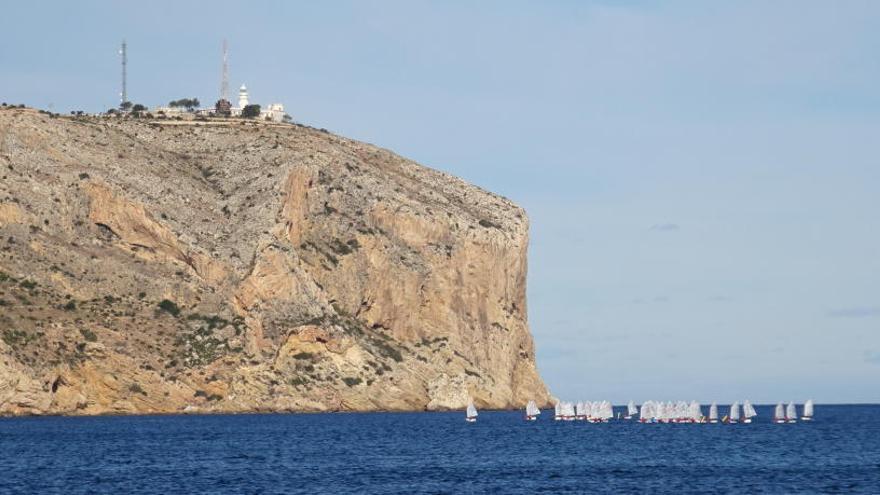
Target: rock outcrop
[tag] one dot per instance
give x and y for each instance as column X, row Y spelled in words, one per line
column 167, row 266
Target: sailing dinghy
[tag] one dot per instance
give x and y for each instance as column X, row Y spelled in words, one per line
column 748, row 412
column 631, row 410
column 808, row 411
column 734, row 413
column 532, row 411
column 791, row 413
column 713, row 413
column 779, row 414
column 557, row 412
column 471, row 415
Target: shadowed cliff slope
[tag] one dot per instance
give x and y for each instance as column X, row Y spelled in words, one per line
column 179, row 266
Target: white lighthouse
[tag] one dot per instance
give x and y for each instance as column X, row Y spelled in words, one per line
column 242, row 97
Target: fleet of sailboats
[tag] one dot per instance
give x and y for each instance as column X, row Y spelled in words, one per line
column 658, row 412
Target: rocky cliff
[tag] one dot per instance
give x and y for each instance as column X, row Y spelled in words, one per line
column 166, row 266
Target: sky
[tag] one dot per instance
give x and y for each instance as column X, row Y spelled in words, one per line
column 701, row 178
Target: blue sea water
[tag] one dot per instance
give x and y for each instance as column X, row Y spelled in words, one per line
column 416, row 453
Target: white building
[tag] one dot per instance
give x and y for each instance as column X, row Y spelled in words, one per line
column 273, row 112
column 242, row 97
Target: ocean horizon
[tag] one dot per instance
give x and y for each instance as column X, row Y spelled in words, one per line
column 436, row 452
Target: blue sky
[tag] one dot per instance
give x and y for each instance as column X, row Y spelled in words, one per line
column 702, row 177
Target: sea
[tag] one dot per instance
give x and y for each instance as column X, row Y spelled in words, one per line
column 434, row 453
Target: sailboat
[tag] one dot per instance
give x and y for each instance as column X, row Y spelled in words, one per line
column 532, row 411
column 631, row 410
column 779, row 413
column 660, row 412
column 808, row 411
column 734, row 413
column 695, row 412
column 648, row 413
column 557, row 411
column 568, row 411
column 791, row 413
column 748, row 412
column 580, row 411
column 471, row 415
column 713, row 413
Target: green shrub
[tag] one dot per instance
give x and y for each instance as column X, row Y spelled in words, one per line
column 88, row 335
column 303, row 355
column 169, row 307
column 351, row 381
column 135, row 388
column 250, row 111
column 14, row 337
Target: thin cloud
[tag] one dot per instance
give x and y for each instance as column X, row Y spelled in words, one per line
column 855, row 313
column 872, row 357
column 665, row 227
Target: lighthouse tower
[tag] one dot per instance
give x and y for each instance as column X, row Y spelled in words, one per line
column 242, row 97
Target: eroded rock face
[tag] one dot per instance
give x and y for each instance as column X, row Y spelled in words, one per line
column 166, row 266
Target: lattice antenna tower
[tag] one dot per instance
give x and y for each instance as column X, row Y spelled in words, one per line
column 123, row 96
column 224, row 78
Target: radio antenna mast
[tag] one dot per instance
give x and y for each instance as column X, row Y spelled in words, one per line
column 123, row 97
column 224, row 80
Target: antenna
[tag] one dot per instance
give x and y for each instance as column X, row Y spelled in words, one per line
column 124, row 95
column 224, row 80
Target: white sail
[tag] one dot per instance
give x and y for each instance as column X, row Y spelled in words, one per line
column 713, row 412
column 557, row 409
column 648, row 411
column 631, row 409
column 579, row 409
column 695, row 411
column 532, row 409
column 749, row 410
column 607, row 410
column 779, row 412
column 471, row 410
column 660, row 411
column 791, row 412
column 682, row 410
column 734, row 411
column 808, row 409
column 588, row 410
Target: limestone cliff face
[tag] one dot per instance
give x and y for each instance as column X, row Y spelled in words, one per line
column 164, row 266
